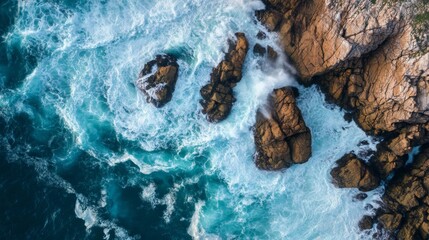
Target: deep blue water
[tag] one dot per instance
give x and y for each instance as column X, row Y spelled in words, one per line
column 83, row 156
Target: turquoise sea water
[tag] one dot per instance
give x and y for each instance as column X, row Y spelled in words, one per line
column 83, row 156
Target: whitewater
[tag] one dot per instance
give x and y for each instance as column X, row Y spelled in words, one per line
column 128, row 170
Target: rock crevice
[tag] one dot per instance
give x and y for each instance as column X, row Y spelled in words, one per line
column 281, row 135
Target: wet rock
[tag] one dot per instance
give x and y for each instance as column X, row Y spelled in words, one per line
column 385, row 162
column 259, row 50
column 370, row 58
column 366, row 223
column 281, row 136
column 272, row 54
column 360, row 196
column 390, row 221
column 270, row 18
column 367, row 57
column 406, row 201
column 157, row 79
column 351, row 172
column 218, row 95
column 261, row 35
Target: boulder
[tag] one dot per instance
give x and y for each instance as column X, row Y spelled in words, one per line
column 366, row 223
column 259, row 50
column 218, row 95
column 282, row 138
column 157, row 79
column 352, row 172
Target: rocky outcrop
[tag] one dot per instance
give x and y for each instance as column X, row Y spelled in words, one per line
column 157, row 79
column 281, row 136
column 405, row 213
column 218, row 94
column 365, row 54
column 352, row 172
column 371, row 58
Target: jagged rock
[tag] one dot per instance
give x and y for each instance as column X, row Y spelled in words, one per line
column 270, row 18
column 282, row 138
column 366, row 222
column 272, row 54
column 258, row 49
column 157, row 79
column 360, row 196
column 261, row 35
column 367, row 58
column 351, row 172
column 385, row 162
column 371, row 58
column 217, row 94
column 390, row 221
column 406, row 201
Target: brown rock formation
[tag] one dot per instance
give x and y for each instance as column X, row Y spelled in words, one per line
column 351, row 172
column 157, row 79
column 371, row 58
column 406, row 200
column 365, row 55
column 281, row 139
column 366, row 222
column 217, row 94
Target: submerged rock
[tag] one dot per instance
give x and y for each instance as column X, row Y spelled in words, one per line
column 217, row 94
column 282, row 138
column 351, row 172
column 157, row 79
column 360, row 196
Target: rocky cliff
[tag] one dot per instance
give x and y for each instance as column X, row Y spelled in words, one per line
column 367, row 56
column 371, row 57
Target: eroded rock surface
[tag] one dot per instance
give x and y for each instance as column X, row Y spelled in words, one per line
column 406, row 201
column 157, row 79
column 218, row 95
column 352, row 172
column 281, row 136
column 371, row 57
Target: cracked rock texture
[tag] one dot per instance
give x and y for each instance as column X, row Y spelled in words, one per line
column 352, row 172
column 406, row 201
column 157, row 79
column 281, row 136
column 371, row 58
column 365, row 55
column 218, row 94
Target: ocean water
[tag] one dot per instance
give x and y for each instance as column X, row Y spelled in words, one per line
column 83, row 156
